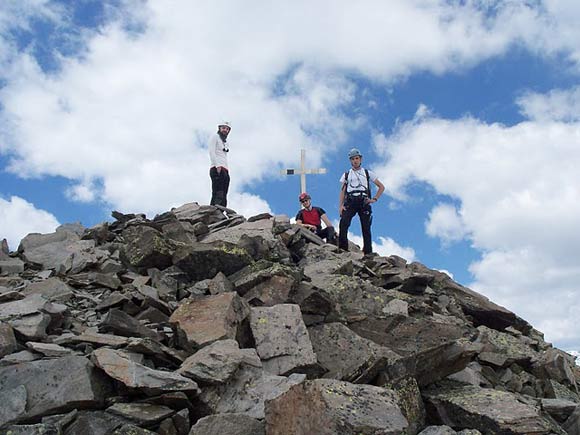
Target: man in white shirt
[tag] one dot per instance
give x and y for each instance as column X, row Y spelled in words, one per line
column 355, row 198
column 218, row 171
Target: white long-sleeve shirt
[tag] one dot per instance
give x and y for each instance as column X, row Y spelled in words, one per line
column 217, row 155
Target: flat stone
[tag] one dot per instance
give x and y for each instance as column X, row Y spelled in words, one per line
column 56, row 385
column 329, row 407
column 19, row 357
column 281, row 338
column 11, row 266
column 208, row 319
column 131, row 429
column 32, row 327
column 53, row 289
column 120, row 367
column 141, row 413
column 31, row 429
column 29, row 305
column 228, row 424
column 94, row 423
column 438, row 430
column 8, row 343
column 49, row 349
column 93, row 338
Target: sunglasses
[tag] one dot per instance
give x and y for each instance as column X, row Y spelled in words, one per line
column 304, row 200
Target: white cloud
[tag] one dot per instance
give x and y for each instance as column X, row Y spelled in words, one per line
column 386, row 247
column 134, row 110
column 557, row 105
column 445, row 222
column 18, row 218
column 518, row 189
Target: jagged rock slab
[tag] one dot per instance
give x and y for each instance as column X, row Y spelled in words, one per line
column 56, row 385
column 409, row 336
column 121, row 323
column 487, row 410
column 203, row 261
column 145, row 247
column 247, row 391
column 215, row 363
column 318, row 261
column 328, row 407
column 120, row 367
column 228, row 424
column 255, row 237
column 515, row 349
column 558, row 408
column 281, row 338
column 205, row 320
column 346, row 356
column 481, row 308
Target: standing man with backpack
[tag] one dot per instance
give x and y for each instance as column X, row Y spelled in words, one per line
column 355, row 198
column 311, row 218
column 218, row 171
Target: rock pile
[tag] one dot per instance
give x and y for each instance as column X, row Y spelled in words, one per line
column 202, row 322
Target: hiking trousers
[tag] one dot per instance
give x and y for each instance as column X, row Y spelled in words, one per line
column 220, row 184
column 365, row 214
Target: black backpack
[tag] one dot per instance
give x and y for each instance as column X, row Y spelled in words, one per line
column 368, row 192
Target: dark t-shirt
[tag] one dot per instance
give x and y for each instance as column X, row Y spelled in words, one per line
column 311, row 217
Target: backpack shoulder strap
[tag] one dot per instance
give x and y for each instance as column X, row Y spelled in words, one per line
column 368, row 182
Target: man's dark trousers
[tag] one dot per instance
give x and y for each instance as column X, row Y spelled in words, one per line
column 365, row 215
column 220, row 183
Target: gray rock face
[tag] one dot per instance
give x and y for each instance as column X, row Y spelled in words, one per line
column 215, row 363
column 487, row 410
column 199, row 318
column 328, row 407
column 202, row 261
column 52, row 289
column 56, row 385
column 346, row 356
column 247, row 392
column 120, row 367
column 209, row 319
column 145, row 248
column 13, row 404
column 8, row 342
column 281, row 338
column 120, row 323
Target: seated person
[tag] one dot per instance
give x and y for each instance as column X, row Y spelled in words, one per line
column 312, row 217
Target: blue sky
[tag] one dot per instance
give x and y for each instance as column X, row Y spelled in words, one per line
column 467, row 110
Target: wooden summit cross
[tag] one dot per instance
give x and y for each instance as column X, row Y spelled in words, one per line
column 303, row 171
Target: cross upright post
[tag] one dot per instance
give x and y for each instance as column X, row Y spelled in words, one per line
column 303, row 171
